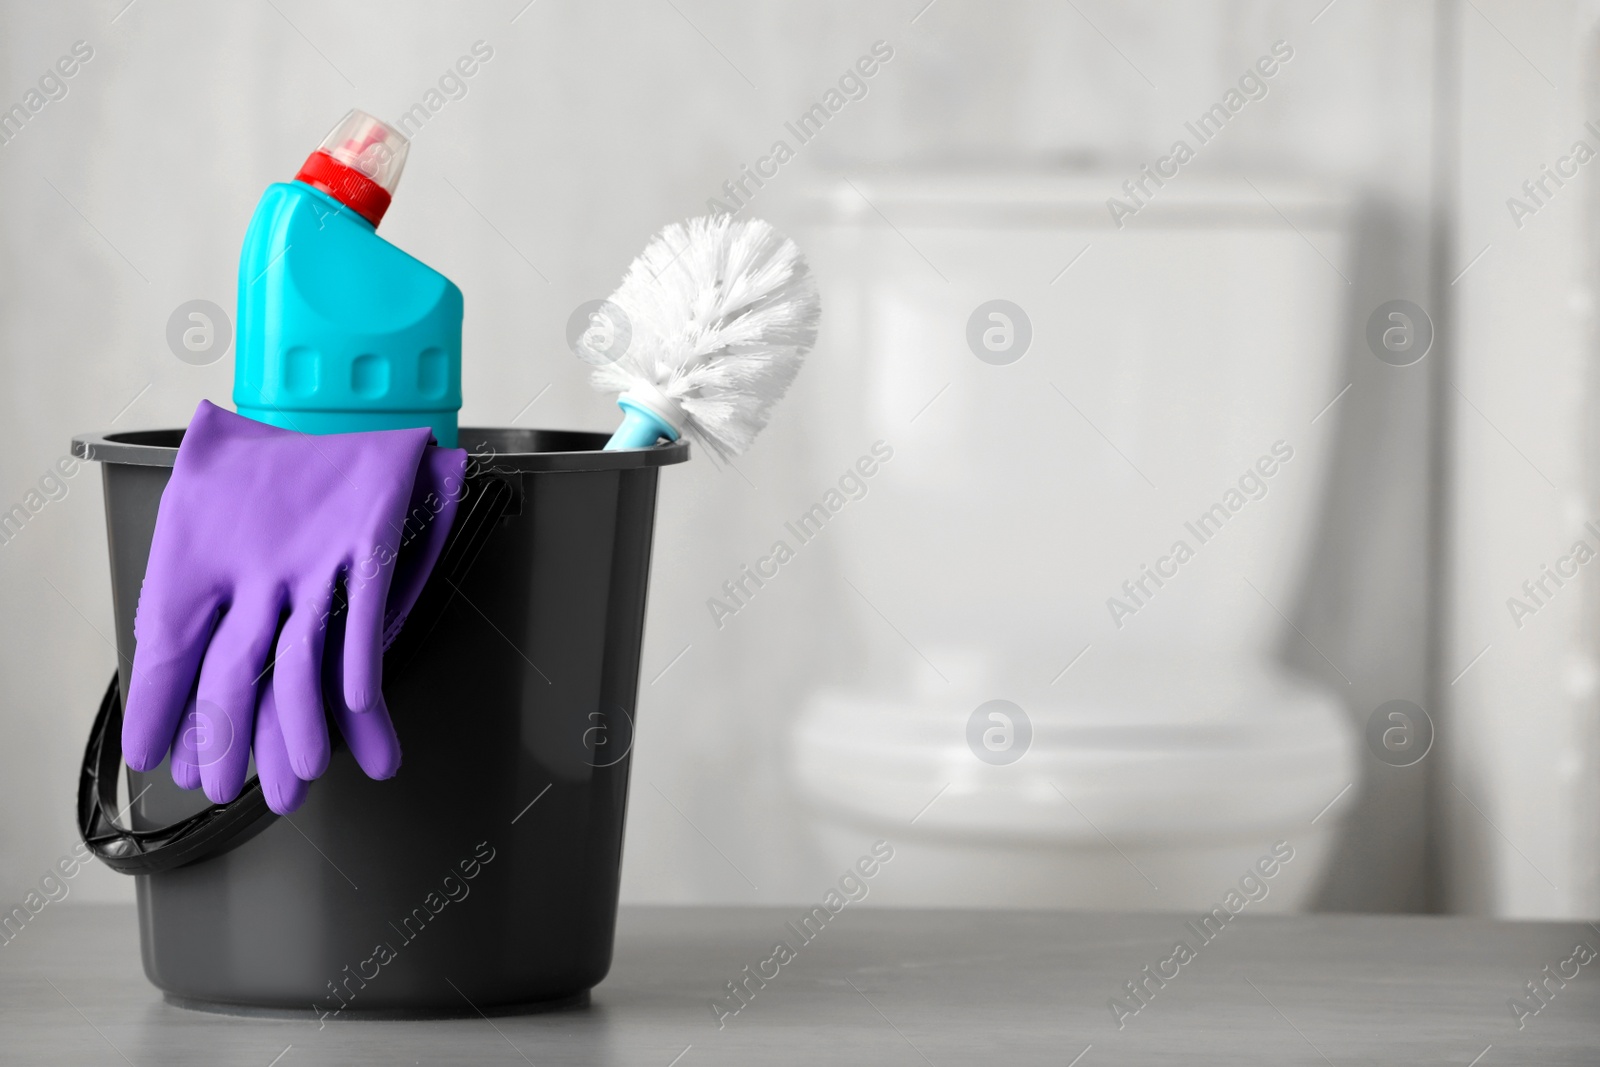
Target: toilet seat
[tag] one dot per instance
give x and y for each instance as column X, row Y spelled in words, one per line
column 1139, row 751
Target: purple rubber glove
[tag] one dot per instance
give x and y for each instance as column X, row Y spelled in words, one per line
column 369, row 734
column 257, row 526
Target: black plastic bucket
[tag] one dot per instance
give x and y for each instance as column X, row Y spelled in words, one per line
column 484, row 876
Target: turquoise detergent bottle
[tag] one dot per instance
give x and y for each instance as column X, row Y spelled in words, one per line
column 339, row 330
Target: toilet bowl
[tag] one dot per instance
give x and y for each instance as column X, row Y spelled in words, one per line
column 1022, row 543
column 1156, row 789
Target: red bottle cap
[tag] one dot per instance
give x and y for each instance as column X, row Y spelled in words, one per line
column 358, row 164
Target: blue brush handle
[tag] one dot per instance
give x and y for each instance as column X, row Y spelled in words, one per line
column 640, row 428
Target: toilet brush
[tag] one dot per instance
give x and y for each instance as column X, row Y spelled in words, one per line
column 718, row 314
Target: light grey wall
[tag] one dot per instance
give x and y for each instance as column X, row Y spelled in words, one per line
column 1519, row 793
column 592, row 125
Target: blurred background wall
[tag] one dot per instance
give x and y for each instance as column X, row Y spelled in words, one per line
column 536, row 180
column 1516, row 796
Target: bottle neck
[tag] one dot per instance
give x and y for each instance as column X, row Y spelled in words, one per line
column 336, row 206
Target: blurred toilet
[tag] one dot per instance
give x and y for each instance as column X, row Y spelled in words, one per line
column 1164, row 748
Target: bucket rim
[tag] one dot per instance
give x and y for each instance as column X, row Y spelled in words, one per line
column 503, row 448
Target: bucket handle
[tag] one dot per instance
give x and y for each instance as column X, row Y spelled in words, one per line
column 222, row 827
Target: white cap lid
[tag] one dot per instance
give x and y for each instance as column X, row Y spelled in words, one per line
column 369, row 145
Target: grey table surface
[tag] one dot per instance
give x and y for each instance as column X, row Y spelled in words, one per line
column 887, row 987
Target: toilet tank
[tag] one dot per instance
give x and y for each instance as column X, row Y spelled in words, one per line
column 1175, row 390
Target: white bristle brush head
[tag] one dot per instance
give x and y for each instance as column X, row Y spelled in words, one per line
column 722, row 312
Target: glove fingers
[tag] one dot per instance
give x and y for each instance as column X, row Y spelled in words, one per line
column 230, row 680
column 297, row 686
column 371, row 738
column 185, row 757
column 367, row 592
column 281, row 784
column 171, row 641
